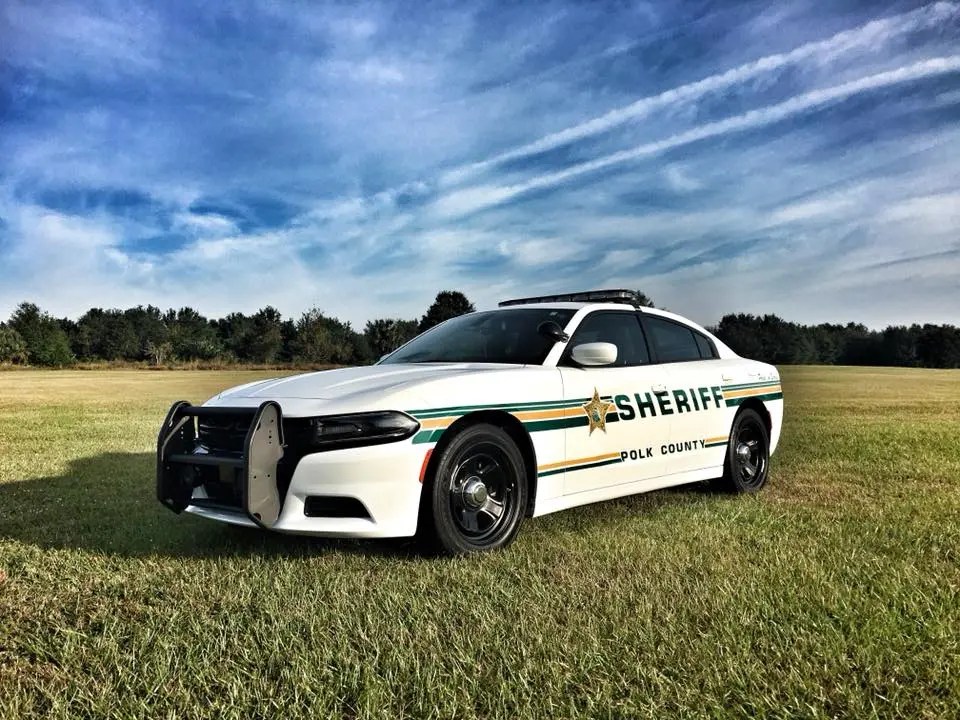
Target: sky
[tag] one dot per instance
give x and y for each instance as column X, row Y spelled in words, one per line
column 794, row 157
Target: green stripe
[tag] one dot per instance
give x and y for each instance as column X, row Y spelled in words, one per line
column 716, row 444
column 427, row 436
column 747, row 386
column 551, row 472
column 733, row 402
column 464, row 409
column 561, row 423
column 557, row 424
column 580, row 467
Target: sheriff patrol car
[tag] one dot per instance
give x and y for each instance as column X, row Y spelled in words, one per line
column 543, row 404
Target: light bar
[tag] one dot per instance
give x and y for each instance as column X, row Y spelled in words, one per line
column 628, row 297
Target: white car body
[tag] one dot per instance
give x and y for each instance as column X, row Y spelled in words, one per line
column 656, row 425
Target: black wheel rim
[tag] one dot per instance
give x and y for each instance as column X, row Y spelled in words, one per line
column 750, row 455
column 483, row 491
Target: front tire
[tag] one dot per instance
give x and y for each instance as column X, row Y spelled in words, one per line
column 476, row 499
column 748, row 454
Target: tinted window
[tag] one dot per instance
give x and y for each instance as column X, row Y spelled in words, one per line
column 674, row 342
column 498, row 336
column 706, row 347
column 621, row 329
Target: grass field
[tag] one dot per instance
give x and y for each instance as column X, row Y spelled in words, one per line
column 835, row 592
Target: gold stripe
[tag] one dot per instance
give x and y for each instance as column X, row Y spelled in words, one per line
column 442, row 422
column 547, row 414
column 716, row 439
column 581, row 461
column 752, row 391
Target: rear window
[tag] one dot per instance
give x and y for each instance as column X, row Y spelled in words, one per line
column 707, row 350
column 677, row 343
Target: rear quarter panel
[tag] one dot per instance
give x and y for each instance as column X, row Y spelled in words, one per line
column 749, row 380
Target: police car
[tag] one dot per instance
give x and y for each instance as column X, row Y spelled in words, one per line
column 543, row 404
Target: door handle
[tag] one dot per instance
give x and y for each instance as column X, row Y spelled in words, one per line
column 726, row 378
column 659, row 388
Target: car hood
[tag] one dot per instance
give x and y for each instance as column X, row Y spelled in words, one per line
column 343, row 382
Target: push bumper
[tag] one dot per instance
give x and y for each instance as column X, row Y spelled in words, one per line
column 252, row 471
column 362, row 492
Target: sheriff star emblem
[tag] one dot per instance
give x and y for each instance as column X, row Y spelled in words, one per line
column 596, row 411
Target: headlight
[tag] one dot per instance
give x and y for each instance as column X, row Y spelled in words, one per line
column 334, row 431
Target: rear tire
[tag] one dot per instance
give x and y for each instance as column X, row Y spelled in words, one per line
column 475, row 500
column 748, row 454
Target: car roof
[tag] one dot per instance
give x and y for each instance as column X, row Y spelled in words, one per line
column 593, row 305
column 610, row 306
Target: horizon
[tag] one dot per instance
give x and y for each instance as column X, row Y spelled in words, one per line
column 358, row 326
column 737, row 158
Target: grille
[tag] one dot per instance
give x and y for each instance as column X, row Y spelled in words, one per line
column 226, row 434
column 223, row 435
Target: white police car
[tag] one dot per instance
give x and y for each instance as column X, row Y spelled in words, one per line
column 540, row 405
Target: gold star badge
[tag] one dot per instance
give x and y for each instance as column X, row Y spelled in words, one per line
column 596, row 411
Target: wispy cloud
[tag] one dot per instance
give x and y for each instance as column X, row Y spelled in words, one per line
column 463, row 201
column 720, row 160
column 871, row 37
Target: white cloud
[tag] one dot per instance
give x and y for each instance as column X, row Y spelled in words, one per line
column 370, row 70
column 359, row 114
column 204, row 224
column 539, row 251
column 871, row 37
column 67, row 39
column 472, row 199
column 680, row 180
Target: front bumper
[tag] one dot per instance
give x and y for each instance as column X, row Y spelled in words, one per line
column 378, row 484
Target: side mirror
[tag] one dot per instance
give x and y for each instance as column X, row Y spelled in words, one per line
column 594, row 354
column 550, row 329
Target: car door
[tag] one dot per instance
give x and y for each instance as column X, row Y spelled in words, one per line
column 700, row 421
column 616, row 434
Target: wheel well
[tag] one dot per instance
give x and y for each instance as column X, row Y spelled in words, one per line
column 761, row 410
column 510, row 425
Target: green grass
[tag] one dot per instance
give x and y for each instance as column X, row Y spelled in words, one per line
column 833, row 593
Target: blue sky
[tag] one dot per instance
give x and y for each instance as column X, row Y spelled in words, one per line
column 792, row 157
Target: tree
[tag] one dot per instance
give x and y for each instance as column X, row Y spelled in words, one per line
column 159, row 351
column 191, row 336
column 288, row 336
column 252, row 338
column 939, row 346
column 643, row 299
column 151, row 331
column 107, row 335
column 898, row 346
column 46, row 342
column 385, row 336
column 266, row 340
column 12, row 347
column 322, row 339
column 740, row 332
column 448, row 304
column 234, row 332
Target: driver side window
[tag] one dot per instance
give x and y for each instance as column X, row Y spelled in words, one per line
column 620, row 328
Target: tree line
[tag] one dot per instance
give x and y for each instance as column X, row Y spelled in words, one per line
column 148, row 334
column 777, row 341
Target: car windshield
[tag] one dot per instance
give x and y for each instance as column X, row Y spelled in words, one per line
column 498, row 336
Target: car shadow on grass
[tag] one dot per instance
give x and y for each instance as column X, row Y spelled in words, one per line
column 108, row 504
